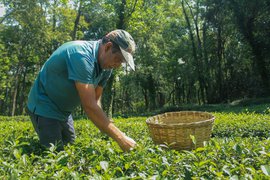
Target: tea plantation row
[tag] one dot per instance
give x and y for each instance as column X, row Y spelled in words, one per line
column 239, row 149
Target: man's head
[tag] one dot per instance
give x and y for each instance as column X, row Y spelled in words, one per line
column 117, row 47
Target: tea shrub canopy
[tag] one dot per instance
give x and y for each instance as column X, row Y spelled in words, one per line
column 239, row 148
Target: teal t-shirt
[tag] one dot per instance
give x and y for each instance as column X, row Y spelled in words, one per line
column 54, row 94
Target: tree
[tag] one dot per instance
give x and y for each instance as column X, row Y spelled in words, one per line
column 252, row 21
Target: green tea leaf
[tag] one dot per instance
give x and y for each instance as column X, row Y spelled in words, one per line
column 193, row 139
column 237, row 148
column 204, row 162
column 127, row 165
column 104, row 165
column 17, row 154
column 234, row 177
column 265, row 169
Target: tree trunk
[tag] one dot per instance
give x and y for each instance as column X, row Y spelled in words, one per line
column 22, row 94
column 206, row 62
column 1, row 106
column 152, row 91
column 107, row 100
column 54, row 16
column 200, row 65
column 194, row 50
column 5, row 106
column 112, row 103
column 146, row 102
column 121, row 15
column 219, row 69
column 16, row 86
column 77, row 21
column 199, row 55
column 246, row 27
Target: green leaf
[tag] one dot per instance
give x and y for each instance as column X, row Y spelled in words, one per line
column 104, row 165
column 17, row 154
column 226, row 170
column 204, row 162
column 193, row 139
column 265, row 169
column 200, row 149
column 25, row 159
column 127, row 165
column 237, row 148
column 165, row 172
column 118, row 169
column 234, row 177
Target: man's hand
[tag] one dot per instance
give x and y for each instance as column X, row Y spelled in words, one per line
column 127, row 143
column 98, row 117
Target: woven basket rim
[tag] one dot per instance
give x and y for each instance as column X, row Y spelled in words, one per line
column 198, row 123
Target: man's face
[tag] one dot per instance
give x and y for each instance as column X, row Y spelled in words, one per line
column 109, row 60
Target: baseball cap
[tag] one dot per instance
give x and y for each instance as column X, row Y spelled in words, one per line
column 126, row 43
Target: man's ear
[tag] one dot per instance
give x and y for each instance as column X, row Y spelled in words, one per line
column 108, row 46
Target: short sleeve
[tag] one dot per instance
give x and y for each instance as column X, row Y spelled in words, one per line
column 105, row 78
column 80, row 68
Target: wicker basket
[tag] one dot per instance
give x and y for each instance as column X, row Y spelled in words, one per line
column 176, row 129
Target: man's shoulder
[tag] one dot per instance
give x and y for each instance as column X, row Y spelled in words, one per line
column 79, row 44
column 82, row 47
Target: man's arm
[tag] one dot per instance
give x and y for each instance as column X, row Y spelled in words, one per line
column 88, row 96
column 98, row 92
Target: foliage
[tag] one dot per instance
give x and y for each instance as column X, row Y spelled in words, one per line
column 242, row 153
column 14, row 118
column 242, row 125
column 4, row 68
column 188, row 52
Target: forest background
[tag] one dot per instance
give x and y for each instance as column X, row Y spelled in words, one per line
column 188, row 51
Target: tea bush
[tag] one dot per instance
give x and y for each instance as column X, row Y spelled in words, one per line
column 239, row 149
column 242, row 125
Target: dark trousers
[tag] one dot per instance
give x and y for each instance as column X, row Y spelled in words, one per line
column 53, row 131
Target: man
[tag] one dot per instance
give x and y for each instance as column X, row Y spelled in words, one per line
column 77, row 73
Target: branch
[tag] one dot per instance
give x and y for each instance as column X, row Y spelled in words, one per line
column 133, row 9
column 3, row 19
